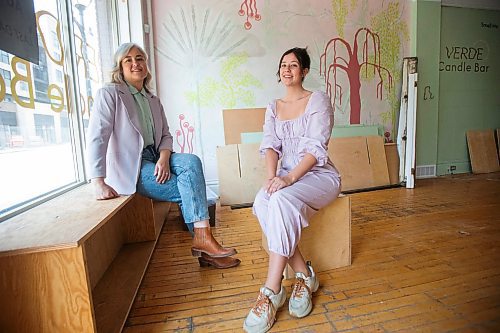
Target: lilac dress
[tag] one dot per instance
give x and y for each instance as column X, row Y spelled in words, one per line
column 283, row 214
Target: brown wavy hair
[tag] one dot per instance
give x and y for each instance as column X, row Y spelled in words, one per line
column 302, row 57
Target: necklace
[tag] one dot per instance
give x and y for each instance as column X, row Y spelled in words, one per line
column 296, row 100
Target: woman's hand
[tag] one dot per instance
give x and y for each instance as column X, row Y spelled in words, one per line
column 102, row 190
column 277, row 183
column 162, row 170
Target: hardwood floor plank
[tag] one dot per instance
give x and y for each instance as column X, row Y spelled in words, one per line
column 424, row 260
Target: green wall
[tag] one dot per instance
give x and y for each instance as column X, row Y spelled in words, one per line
column 428, row 44
column 469, row 96
column 451, row 99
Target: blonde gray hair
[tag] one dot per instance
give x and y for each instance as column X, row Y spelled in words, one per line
column 120, row 54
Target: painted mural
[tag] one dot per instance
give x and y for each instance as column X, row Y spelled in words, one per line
column 365, row 42
column 223, row 54
column 248, row 8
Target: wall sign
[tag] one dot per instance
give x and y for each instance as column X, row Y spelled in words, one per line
column 471, row 56
column 464, row 59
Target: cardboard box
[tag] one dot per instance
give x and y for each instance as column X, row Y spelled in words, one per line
column 326, row 242
column 242, row 172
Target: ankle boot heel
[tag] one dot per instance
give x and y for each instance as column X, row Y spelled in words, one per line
column 195, row 253
column 203, row 263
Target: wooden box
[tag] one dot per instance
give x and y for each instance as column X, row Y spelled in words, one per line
column 327, row 240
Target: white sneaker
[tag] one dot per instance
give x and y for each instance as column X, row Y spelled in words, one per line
column 300, row 304
column 263, row 314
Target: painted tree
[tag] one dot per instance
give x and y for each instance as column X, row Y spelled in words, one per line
column 367, row 57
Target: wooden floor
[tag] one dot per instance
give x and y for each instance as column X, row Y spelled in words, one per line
column 423, row 260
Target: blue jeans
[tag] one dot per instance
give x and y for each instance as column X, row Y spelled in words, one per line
column 186, row 185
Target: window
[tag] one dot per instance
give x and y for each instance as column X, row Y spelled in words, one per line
column 4, row 57
column 40, row 70
column 45, row 128
column 54, row 40
column 6, row 76
column 40, row 137
column 41, row 88
column 8, row 118
column 59, row 76
column 8, row 128
column 40, row 75
column 23, row 86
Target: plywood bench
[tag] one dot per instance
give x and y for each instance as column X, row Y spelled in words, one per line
column 74, row 264
column 326, row 242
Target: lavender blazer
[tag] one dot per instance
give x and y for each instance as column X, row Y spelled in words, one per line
column 114, row 141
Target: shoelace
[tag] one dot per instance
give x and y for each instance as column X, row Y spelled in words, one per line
column 261, row 305
column 299, row 287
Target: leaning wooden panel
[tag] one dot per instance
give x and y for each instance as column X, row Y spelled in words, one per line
column 45, row 292
column 237, row 121
column 241, row 172
column 253, row 169
column 350, row 156
column 360, row 160
column 482, row 151
column 391, row 153
column 378, row 161
column 498, row 142
column 228, row 169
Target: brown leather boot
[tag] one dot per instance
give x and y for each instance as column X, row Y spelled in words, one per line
column 226, row 262
column 204, row 242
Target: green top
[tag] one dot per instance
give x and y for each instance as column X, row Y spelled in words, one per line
column 145, row 116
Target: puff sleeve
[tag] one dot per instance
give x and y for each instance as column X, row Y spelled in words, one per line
column 270, row 140
column 319, row 124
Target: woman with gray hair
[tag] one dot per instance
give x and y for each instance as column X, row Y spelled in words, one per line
column 130, row 149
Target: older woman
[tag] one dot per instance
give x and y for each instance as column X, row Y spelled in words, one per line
column 130, row 149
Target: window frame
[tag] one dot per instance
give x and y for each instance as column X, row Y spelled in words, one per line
column 74, row 106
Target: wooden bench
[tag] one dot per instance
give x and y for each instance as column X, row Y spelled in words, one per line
column 326, row 242
column 74, row 264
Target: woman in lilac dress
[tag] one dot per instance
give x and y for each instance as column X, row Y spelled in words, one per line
column 296, row 131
